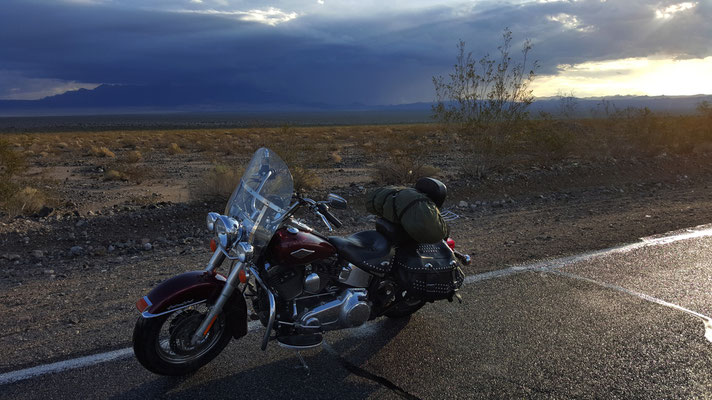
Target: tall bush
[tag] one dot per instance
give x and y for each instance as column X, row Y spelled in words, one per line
column 491, row 90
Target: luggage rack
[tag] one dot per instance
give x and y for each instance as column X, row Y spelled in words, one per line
column 448, row 215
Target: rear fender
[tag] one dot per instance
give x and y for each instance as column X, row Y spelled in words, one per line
column 191, row 288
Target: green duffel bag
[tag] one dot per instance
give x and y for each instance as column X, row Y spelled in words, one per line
column 413, row 210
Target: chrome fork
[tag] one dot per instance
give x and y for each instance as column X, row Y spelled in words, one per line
column 232, row 281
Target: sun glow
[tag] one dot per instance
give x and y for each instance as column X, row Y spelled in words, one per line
column 631, row 76
column 670, row 11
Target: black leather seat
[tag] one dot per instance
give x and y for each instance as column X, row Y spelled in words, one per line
column 368, row 250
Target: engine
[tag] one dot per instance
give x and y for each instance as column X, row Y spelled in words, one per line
column 349, row 309
column 317, row 297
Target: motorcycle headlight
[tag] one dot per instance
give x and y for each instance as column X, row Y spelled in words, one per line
column 210, row 220
column 227, row 231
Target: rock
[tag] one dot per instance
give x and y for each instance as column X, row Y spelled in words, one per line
column 45, row 212
column 13, row 257
column 147, row 246
column 462, row 204
column 145, row 240
column 111, row 248
column 80, row 223
column 48, row 272
column 76, row 251
column 37, row 254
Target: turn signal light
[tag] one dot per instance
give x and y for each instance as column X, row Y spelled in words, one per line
column 450, row 243
column 141, row 304
column 242, row 276
column 213, row 245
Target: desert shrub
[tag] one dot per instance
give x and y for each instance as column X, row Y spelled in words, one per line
column 174, row 148
column 479, row 93
column 127, row 172
column 303, row 153
column 402, row 156
column 304, row 179
column 101, row 151
column 401, row 168
column 474, row 169
column 217, row 183
column 548, row 137
column 11, row 162
column 27, row 201
column 133, row 157
column 114, row 175
column 335, row 157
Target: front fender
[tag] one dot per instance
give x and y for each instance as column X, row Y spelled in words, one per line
column 192, row 288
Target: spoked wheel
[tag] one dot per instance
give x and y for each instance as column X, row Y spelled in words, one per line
column 404, row 307
column 163, row 344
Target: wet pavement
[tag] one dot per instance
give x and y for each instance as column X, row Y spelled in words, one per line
column 602, row 326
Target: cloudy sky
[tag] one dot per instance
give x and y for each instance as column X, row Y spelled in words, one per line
column 341, row 52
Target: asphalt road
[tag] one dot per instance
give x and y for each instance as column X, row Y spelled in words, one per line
column 621, row 323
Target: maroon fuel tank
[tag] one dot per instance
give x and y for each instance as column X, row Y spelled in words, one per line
column 295, row 247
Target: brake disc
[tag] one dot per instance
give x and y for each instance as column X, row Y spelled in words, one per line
column 181, row 331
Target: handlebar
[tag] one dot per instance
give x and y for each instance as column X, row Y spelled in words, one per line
column 320, row 209
column 324, row 210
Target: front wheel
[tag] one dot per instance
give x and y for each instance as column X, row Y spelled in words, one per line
column 163, row 344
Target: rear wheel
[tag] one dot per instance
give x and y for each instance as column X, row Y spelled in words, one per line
column 163, row 344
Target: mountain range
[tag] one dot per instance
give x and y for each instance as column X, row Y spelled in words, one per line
column 118, row 99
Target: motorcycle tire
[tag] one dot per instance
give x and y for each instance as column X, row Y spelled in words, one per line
column 404, row 309
column 168, row 355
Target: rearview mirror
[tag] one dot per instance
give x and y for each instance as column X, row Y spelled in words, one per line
column 336, row 201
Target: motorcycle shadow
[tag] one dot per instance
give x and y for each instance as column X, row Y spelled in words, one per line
column 334, row 370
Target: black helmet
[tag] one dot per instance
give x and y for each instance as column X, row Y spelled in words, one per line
column 433, row 188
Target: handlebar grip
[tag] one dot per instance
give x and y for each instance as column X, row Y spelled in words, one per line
column 329, row 216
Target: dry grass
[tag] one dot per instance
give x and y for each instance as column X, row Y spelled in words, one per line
column 13, row 199
column 217, row 183
column 101, row 151
column 26, row 201
column 126, row 172
column 388, row 154
column 174, row 148
column 305, row 179
column 133, row 157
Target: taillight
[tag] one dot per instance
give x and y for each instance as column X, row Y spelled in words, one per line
column 213, row 245
column 450, row 243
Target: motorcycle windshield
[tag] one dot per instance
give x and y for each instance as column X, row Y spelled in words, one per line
column 262, row 197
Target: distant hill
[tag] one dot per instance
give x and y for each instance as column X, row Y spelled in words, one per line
column 122, row 99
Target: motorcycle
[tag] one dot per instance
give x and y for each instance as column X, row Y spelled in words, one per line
column 299, row 282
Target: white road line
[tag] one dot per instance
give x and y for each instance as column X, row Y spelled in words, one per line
column 544, row 266
column 707, row 321
column 15, row 376
column 23, row 374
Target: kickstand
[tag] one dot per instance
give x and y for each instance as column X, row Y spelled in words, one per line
column 303, row 364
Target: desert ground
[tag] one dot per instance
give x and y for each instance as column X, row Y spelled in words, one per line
column 92, row 220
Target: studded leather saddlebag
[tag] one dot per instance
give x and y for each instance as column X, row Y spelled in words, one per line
column 428, row 271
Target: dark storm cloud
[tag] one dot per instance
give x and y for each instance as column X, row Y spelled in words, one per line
column 373, row 57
